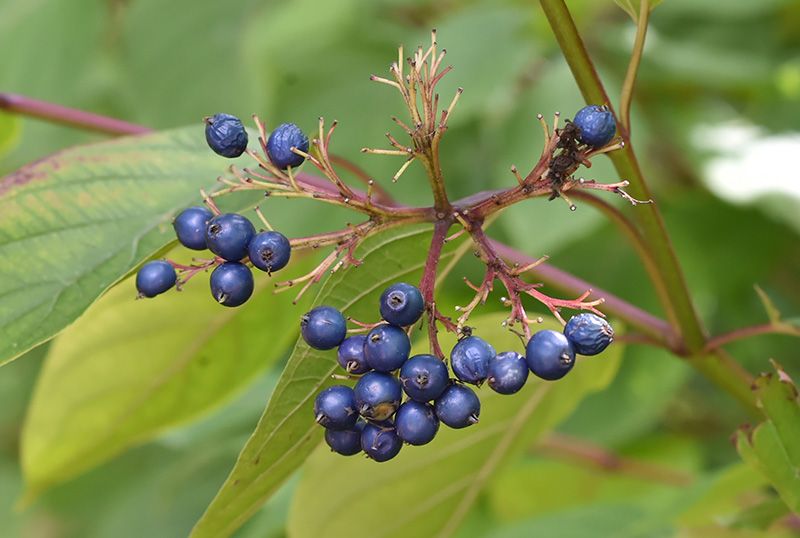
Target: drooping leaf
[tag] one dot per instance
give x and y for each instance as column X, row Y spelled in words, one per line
column 440, row 483
column 773, row 447
column 72, row 224
column 287, row 433
column 129, row 369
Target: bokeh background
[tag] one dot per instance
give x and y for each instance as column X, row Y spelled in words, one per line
column 716, row 122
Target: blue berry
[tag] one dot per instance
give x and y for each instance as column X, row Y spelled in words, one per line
column 351, row 355
column 154, row 278
column 335, row 408
column 280, row 143
column 345, row 442
column 380, row 441
column 226, row 135
column 416, row 423
column 269, row 251
column 231, row 284
column 458, row 406
column 424, row 377
column 597, row 125
column 508, row 372
column 323, row 327
column 228, row 235
column 402, row 304
column 470, row 359
column 549, row 355
column 378, row 395
column 387, row 348
column 190, row 227
column 588, row 333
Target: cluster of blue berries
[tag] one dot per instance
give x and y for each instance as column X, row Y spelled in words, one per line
column 230, row 236
column 372, row 416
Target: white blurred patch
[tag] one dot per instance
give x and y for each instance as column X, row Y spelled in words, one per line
column 749, row 164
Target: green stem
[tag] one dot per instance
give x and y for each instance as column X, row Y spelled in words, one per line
column 676, row 301
column 633, row 68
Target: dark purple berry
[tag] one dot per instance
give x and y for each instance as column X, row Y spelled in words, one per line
column 508, row 372
column 335, row 408
column 228, row 236
column 387, row 348
column 378, row 395
column 351, row 355
column 458, row 406
column 323, row 327
column 269, row 251
column 380, row 441
column 280, row 143
column 345, row 442
column 470, row 359
column 597, row 125
column 402, row 304
column 226, row 135
column 424, row 377
column 231, row 284
column 549, row 355
column 416, row 423
column 588, row 333
column 190, row 227
column 154, row 278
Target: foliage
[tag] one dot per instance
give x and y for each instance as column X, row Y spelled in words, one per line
column 127, row 424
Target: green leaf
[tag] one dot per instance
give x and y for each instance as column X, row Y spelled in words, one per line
column 129, row 369
column 440, row 483
column 633, row 10
column 772, row 311
column 287, row 433
column 773, row 447
column 10, row 128
column 84, row 217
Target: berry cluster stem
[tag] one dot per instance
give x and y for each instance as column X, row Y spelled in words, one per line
column 666, row 273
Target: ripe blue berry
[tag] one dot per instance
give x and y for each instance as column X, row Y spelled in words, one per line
column 387, row 348
column 228, row 235
column 416, row 423
column 280, row 143
column 470, row 359
column 226, row 135
column 458, row 406
column 597, row 125
column 323, row 327
column 378, row 395
column 351, row 355
column 588, row 333
column 549, row 355
column 335, row 408
column 380, row 441
column 402, row 304
column 508, row 372
column 231, row 284
column 345, row 442
column 424, row 377
column 190, row 227
column 269, row 251
column 155, row 278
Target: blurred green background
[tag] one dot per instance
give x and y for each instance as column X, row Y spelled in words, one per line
column 715, row 122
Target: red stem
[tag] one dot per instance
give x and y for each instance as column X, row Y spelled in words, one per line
column 427, row 284
column 643, row 321
column 68, row 116
column 746, row 332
